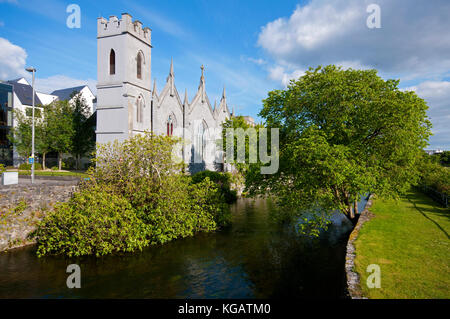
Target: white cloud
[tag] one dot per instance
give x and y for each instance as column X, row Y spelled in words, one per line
column 13, row 64
column 413, row 40
column 257, row 61
column 309, row 27
column 279, row 73
column 12, row 60
column 437, row 96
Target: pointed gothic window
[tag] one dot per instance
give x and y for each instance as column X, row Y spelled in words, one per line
column 140, row 110
column 139, row 65
column 112, row 62
column 200, row 141
column 170, row 126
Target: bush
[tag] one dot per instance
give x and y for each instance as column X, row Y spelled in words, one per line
column 2, row 168
column 27, row 166
column 94, row 222
column 69, row 163
column 181, row 209
column 223, row 181
column 435, row 176
column 55, row 168
column 137, row 195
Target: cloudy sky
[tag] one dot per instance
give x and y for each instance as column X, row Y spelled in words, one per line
column 250, row 46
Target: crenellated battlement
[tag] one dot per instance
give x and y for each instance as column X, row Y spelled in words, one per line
column 115, row 26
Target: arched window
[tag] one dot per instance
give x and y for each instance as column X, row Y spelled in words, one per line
column 112, row 62
column 200, row 140
column 170, row 126
column 139, row 65
column 140, row 110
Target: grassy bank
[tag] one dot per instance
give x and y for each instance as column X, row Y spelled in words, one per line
column 409, row 240
column 53, row 173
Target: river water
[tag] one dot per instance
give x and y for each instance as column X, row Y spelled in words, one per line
column 253, row 258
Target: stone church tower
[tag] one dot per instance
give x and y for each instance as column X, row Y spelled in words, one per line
column 124, row 78
column 128, row 104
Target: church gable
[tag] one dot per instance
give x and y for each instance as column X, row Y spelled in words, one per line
column 200, row 107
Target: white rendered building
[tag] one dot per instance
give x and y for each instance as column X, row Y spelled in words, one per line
column 83, row 90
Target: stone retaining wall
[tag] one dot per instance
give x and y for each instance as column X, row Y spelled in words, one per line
column 22, row 206
column 353, row 280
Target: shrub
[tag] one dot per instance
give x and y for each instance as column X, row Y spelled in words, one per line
column 435, row 176
column 94, row 222
column 2, row 168
column 136, row 196
column 55, row 168
column 175, row 211
column 27, row 166
column 223, row 181
column 69, row 163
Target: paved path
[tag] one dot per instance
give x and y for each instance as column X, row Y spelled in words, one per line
column 46, row 180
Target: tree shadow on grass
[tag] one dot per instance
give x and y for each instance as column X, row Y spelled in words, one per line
column 415, row 201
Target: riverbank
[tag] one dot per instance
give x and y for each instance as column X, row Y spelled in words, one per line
column 409, row 240
column 254, row 257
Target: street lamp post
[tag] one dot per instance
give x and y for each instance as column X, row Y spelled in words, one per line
column 33, row 71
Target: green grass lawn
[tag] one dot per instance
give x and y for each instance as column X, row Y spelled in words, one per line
column 409, row 240
column 53, row 173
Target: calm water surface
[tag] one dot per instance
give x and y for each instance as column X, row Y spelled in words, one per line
column 253, row 258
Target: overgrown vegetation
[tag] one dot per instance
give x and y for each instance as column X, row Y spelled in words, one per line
column 250, row 142
column 136, row 196
column 434, row 175
column 222, row 180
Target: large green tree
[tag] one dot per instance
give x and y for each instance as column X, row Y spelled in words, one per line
column 343, row 133
column 59, row 119
column 20, row 135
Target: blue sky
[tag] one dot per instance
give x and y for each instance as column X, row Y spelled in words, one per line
column 251, row 47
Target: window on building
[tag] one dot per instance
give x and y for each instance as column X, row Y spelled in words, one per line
column 4, row 136
column 3, row 115
column 140, row 110
column 200, row 141
column 139, row 65
column 170, row 121
column 112, row 62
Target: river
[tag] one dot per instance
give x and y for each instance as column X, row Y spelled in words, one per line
column 252, row 258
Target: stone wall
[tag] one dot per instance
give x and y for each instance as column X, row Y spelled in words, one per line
column 22, row 206
column 353, row 279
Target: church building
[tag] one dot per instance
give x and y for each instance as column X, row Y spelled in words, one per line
column 128, row 103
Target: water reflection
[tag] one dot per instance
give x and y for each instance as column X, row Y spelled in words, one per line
column 253, row 258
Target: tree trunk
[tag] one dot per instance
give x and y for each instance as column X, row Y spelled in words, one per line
column 355, row 205
column 351, row 213
column 59, row 161
column 43, row 160
column 77, row 163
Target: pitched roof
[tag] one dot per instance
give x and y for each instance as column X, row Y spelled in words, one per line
column 25, row 93
column 65, row 94
column 20, row 81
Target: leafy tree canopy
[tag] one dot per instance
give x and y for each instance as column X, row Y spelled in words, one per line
column 343, row 134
